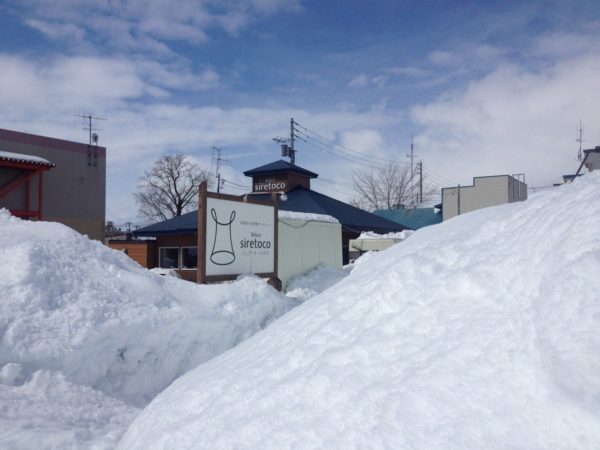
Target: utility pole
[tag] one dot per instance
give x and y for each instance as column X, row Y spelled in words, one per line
column 217, row 151
column 412, row 172
column 420, row 166
column 580, row 140
column 293, row 150
column 288, row 151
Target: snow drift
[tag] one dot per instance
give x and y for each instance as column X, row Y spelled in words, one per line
column 87, row 336
column 481, row 332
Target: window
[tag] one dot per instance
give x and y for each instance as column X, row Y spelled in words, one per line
column 189, row 257
column 168, row 258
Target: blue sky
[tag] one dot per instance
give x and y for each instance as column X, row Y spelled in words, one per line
column 484, row 87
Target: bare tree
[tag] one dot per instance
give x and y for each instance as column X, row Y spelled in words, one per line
column 387, row 187
column 170, row 188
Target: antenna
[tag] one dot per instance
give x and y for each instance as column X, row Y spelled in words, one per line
column 580, row 140
column 92, row 150
column 412, row 172
column 90, row 128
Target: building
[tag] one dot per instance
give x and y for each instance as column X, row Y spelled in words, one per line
column 179, row 235
column 68, row 186
column 591, row 160
column 411, row 218
column 22, row 184
column 485, row 191
column 294, row 181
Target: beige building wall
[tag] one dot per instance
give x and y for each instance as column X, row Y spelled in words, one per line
column 485, row 192
column 75, row 189
column 304, row 244
column 592, row 159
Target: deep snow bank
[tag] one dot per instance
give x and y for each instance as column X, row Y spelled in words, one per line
column 92, row 320
column 481, row 332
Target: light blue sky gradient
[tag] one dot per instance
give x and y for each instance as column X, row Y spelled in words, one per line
column 485, row 87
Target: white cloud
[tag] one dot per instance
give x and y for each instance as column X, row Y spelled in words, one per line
column 444, row 58
column 143, row 24
column 99, row 83
column 513, row 120
column 366, row 143
column 408, row 71
column 359, row 81
column 562, row 44
column 363, row 80
column 45, row 95
column 57, row 31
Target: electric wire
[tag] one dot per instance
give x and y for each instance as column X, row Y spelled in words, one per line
column 320, row 146
column 356, row 152
column 358, row 157
column 236, row 184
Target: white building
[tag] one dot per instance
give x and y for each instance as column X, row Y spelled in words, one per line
column 485, row 191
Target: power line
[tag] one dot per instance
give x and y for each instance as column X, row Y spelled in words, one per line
column 344, row 192
column 236, row 184
column 445, row 180
column 333, row 151
column 331, row 142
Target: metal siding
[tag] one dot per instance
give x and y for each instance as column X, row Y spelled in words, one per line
column 449, row 202
column 488, row 191
column 592, row 161
column 303, row 245
column 485, row 192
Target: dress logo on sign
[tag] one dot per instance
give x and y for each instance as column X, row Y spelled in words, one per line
column 222, row 253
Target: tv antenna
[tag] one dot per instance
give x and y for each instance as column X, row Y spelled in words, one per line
column 90, row 128
column 412, row 171
column 580, row 140
column 93, row 142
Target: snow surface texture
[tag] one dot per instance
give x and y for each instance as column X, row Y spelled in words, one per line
column 481, row 332
column 315, row 281
column 87, row 336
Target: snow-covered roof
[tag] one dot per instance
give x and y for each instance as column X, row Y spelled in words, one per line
column 400, row 235
column 294, row 215
column 22, row 158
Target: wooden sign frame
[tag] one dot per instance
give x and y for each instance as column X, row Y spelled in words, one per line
column 204, row 195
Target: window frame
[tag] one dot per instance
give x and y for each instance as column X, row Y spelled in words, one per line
column 177, row 263
column 181, row 257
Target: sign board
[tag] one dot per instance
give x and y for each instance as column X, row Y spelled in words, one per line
column 235, row 236
column 270, row 185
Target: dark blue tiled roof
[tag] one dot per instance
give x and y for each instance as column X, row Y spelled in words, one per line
column 184, row 224
column 413, row 218
column 280, row 166
column 299, row 199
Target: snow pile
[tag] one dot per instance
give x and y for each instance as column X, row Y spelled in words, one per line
column 315, row 281
column 481, row 332
column 83, row 326
column 397, row 235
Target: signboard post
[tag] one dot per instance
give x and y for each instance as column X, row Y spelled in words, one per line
column 236, row 236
